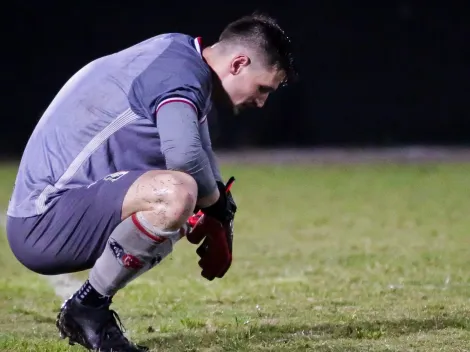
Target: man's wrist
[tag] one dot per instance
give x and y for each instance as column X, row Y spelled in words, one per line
column 218, row 209
column 209, row 200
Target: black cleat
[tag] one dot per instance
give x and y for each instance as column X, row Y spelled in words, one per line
column 97, row 329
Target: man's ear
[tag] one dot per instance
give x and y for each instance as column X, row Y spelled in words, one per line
column 238, row 63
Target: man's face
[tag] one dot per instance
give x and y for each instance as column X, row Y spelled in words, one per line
column 250, row 83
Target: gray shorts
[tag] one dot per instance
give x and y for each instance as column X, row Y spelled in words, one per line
column 71, row 235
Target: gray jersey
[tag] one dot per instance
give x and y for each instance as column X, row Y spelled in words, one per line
column 103, row 120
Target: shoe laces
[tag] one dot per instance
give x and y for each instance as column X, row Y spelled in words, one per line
column 114, row 328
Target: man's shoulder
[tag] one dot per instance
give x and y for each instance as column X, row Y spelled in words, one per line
column 184, row 55
column 177, row 69
column 175, row 57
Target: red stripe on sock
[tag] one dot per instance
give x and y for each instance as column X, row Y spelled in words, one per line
column 158, row 239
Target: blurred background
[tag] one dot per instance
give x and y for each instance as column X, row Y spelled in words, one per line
column 372, row 73
column 348, row 258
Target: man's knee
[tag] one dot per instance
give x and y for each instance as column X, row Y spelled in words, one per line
column 167, row 197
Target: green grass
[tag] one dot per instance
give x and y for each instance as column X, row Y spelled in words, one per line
column 327, row 258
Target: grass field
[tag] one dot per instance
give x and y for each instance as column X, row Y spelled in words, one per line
column 327, row 258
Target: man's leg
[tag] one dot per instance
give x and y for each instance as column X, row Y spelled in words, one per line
column 155, row 208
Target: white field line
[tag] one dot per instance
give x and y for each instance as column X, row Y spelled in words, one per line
column 64, row 285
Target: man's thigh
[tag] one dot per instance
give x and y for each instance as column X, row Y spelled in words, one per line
column 71, row 235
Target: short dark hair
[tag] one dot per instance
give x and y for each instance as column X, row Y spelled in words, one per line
column 261, row 31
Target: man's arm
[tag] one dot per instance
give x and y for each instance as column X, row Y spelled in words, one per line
column 207, row 146
column 181, row 145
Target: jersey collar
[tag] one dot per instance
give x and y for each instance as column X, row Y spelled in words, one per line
column 198, row 44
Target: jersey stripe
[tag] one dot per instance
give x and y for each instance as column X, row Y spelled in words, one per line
column 177, row 100
column 125, row 118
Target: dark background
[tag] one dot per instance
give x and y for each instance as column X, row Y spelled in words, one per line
column 371, row 74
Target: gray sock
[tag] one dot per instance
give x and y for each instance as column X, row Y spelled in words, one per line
column 134, row 247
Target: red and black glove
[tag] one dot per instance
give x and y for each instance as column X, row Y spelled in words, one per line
column 215, row 225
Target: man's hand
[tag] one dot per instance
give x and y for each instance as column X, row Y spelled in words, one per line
column 215, row 225
column 214, row 253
